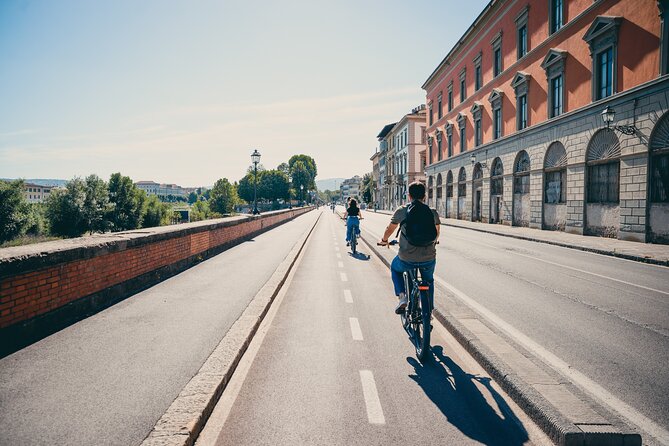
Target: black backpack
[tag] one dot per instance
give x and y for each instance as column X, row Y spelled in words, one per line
column 419, row 227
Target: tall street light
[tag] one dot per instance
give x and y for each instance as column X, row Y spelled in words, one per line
column 255, row 157
column 302, row 193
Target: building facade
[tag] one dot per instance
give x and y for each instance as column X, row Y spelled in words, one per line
column 36, row 193
column 163, row 191
column 385, row 178
column 552, row 114
column 403, row 146
column 375, row 177
column 351, row 188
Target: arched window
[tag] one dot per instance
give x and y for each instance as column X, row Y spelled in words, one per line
column 497, row 177
column 449, row 184
column 521, row 173
column 603, row 161
column 478, row 173
column 555, row 174
column 462, row 183
column 659, row 161
column 439, row 187
column 429, row 188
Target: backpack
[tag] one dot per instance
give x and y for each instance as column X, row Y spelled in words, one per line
column 419, row 227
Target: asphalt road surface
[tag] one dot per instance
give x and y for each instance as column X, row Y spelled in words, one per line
column 336, row 367
column 608, row 318
column 107, row 379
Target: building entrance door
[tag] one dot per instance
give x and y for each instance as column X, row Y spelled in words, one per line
column 477, row 205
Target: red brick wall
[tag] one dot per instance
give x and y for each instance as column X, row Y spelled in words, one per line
column 30, row 293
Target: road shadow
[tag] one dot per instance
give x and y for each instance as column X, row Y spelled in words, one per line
column 360, row 255
column 448, row 386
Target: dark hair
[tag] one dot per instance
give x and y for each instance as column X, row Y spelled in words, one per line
column 417, row 190
column 353, row 202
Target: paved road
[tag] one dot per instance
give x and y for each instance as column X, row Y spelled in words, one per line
column 606, row 317
column 107, row 379
column 335, row 367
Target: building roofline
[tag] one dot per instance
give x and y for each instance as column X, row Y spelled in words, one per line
column 460, row 42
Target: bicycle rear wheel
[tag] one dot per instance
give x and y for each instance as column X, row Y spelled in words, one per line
column 354, row 243
column 404, row 316
column 422, row 327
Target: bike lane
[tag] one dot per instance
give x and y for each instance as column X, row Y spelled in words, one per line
column 336, row 367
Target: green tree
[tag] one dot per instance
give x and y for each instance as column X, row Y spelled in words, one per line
column 127, row 203
column 223, row 197
column 192, row 197
column 367, row 187
column 200, row 211
column 309, row 165
column 96, row 205
column 285, row 168
column 37, row 220
column 14, row 210
column 65, row 209
column 273, row 185
column 245, row 188
column 157, row 213
column 301, row 180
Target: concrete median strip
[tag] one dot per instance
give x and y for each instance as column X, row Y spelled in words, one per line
column 566, row 415
column 187, row 415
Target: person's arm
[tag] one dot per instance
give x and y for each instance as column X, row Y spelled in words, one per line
column 438, row 232
column 389, row 231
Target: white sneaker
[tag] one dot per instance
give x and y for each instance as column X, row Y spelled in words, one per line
column 402, row 304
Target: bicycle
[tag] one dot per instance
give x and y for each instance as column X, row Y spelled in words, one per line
column 354, row 237
column 417, row 316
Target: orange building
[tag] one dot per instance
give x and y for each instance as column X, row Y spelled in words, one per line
column 516, row 127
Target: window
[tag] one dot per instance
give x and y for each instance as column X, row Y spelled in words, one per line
column 659, row 162
column 439, row 107
column 603, row 180
column 522, row 112
column 496, row 123
column 556, row 16
column 555, row 187
column 449, row 138
column 429, row 150
column 462, row 123
column 521, row 174
column 439, row 146
column 450, row 96
column 497, row 178
column 430, row 114
column 522, row 41
column 520, row 84
column 478, row 76
column 463, row 85
column 462, row 183
column 605, row 71
column 521, row 31
column 602, row 37
column 554, row 64
column 449, row 185
column 496, row 42
column 663, row 5
column 603, row 167
column 477, row 132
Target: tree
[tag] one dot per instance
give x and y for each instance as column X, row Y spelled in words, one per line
column 192, row 197
column 96, row 205
column 200, row 211
column 65, row 209
column 309, row 165
column 128, row 203
column 285, row 168
column 245, row 188
column 367, row 187
column 223, row 197
column 14, row 210
column 273, row 185
column 157, row 213
column 301, row 179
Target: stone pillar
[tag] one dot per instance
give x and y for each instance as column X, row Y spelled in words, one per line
column 575, row 199
column 485, row 200
column 536, row 199
column 633, row 197
column 468, row 200
column 507, row 197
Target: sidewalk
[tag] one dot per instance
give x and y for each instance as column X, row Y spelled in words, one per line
column 640, row 252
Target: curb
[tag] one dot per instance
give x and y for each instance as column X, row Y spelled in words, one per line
column 183, row 421
column 604, row 252
column 555, row 425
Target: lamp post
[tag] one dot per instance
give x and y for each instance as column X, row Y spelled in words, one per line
column 255, row 157
column 290, row 199
column 609, row 114
column 302, row 193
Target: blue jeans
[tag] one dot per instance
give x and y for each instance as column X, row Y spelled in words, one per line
column 398, row 266
column 351, row 223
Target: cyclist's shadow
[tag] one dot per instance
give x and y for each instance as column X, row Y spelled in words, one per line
column 450, row 388
column 360, row 255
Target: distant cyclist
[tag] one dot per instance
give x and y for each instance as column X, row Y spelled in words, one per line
column 352, row 217
column 419, row 232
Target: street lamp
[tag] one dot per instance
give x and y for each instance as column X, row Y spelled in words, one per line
column 255, row 157
column 472, row 158
column 290, row 199
column 302, row 193
column 609, row 114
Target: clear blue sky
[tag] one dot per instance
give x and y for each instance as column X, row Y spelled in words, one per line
column 183, row 91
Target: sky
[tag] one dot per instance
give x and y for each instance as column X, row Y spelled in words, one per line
column 183, row 91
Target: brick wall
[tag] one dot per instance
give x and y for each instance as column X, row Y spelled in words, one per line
column 90, row 273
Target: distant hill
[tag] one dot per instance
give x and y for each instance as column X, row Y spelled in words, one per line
column 329, row 184
column 41, row 181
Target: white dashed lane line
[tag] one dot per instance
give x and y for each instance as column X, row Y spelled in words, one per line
column 340, row 264
column 372, row 402
column 343, row 277
column 348, row 297
column 356, row 332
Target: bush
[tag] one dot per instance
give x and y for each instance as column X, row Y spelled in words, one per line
column 14, row 210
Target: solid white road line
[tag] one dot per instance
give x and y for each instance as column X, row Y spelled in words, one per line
column 343, row 277
column 549, row 358
column 356, row 332
column 372, row 402
column 340, row 264
column 348, row 297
